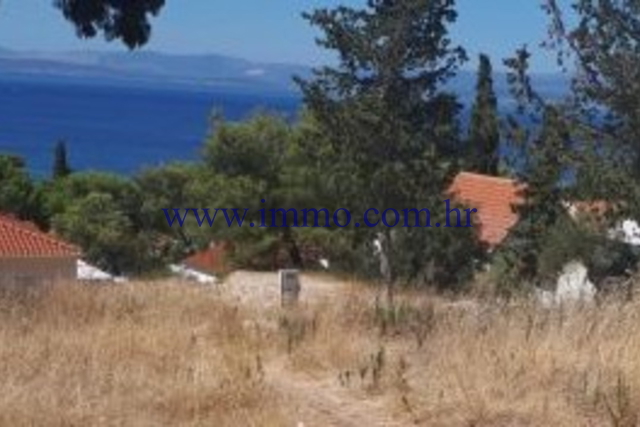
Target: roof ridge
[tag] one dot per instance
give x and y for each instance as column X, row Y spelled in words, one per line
column 491, row 177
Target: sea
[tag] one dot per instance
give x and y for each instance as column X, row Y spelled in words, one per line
column 123, row 127
column 114, row 127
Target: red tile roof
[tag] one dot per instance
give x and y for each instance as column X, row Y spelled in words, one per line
column 24, row 239
column 210, row 260
column 493, row 198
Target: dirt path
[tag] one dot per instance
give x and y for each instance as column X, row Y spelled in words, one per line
column 312, row 402
column 321, row 403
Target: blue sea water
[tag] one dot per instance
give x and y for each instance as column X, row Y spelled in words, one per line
column 112, row 127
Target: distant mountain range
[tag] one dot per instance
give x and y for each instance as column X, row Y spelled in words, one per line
column 215, row 72
column 149, row 68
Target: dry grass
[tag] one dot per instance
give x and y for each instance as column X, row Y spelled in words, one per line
column 170, row 354
column 140, row 354
column 461, row 363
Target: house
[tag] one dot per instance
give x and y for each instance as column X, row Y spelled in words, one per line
column 29, row 256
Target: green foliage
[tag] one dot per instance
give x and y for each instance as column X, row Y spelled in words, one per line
column 442, row 258
column 563, row 242
column 241, row 149
column 16, row 189
column 545, row 156
column 603, row 45
column 173, row 186
column 107, row 235
column 80, row 185
column 543, row 206
column 589, row 144
column 60, row 164
column 124, row 20
column 547, row 238
column 101, row 213
column 390, row 135
column 484, row 133
column 260, row 159
column 573, row 240
column 19, row 195
column 610, row 258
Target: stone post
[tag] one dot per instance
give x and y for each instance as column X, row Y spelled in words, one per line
column 289, row 287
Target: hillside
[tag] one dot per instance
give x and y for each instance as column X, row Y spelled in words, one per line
column 215, row 71
column 205, row 71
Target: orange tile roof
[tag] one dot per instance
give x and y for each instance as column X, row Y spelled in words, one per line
column 493, row 198
column 24, row 239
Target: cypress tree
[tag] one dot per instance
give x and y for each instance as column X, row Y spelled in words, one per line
column 60, row 165
column 484, row 133
column 544, row 193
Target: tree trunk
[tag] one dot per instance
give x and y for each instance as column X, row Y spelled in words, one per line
column 292, row 247
column 385, row 265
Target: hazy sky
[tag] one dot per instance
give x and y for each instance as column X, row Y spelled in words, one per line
column 271, row 30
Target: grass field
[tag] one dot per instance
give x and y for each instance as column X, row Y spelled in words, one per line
column 166, row 353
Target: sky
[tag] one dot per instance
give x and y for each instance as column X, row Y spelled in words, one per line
column 275, row 33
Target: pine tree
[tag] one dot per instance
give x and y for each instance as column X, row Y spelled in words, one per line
column 126, row 21
column 254, row 164
column 602, row 44
column 60, row 165
column 484, row 132
column 389, row 125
